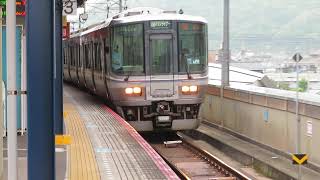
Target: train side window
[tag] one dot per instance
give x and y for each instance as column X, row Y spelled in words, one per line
column 74, row 56
column 71, row 56
column 64, row 56
column 96, row 57
column 90, row 59
column 79, row 56
column 85, row 56
column 106, row 46
column 87, row 60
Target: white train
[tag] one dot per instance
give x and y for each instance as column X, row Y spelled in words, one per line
column 150, row 63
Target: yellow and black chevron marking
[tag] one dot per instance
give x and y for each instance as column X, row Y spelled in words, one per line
column 299, row 159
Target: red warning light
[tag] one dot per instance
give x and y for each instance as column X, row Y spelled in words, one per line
column 184, row 26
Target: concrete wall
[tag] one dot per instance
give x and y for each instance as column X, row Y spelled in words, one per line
column 266, row 119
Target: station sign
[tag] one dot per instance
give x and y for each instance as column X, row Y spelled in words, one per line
column 20, row 7
column 69, row 7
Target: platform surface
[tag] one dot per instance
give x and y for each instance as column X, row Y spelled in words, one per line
column 104, row 146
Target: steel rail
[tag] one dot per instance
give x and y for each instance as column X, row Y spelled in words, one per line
column 215, row 161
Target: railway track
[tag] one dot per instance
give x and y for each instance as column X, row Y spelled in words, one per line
column 190, row 162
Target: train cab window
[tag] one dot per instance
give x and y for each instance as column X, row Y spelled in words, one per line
column 127, row 50
column 192, row 47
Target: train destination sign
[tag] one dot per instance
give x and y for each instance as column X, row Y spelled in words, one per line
column 160, row 24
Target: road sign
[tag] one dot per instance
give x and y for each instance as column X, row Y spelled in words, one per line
column 299, row 159
column 69, row 7
column 297, row 57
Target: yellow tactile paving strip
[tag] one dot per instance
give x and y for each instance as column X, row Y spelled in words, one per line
column 82, row 164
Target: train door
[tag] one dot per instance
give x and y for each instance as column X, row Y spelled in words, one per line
column 161, row 66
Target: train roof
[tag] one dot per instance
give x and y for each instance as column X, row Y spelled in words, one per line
column 150, row 14
column 138, row 15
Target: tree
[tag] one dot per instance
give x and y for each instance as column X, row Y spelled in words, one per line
column 303, row 85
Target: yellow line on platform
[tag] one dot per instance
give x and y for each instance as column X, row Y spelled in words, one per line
column 82, row 164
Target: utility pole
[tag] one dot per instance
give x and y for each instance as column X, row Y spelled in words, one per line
column 12, row 89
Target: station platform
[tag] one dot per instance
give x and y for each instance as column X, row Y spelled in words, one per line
column 105, row 146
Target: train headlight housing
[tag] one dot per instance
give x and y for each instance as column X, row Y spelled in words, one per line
column 133, row 91
column 189, row 89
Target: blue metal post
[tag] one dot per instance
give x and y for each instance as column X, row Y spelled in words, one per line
column 39, row 27
column 58, row 96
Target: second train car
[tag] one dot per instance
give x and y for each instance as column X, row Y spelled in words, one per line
column 150, row 63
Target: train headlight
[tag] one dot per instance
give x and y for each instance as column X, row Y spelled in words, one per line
column 134, row 90
column 189, row 89
column 185, row 89
column 129, row 91
column 193, row 88
column 137, row 90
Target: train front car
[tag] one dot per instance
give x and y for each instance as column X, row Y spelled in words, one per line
column 158, row 68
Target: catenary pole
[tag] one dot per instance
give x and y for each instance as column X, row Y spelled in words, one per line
column 11, row 89
column 120, row 6
column 225, row 46
column 225, row 57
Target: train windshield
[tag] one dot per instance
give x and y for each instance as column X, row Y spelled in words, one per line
column 192, row 47
column 127, row 50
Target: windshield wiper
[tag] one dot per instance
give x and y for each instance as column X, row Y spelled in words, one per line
column 188, row 70
column 128, row 76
